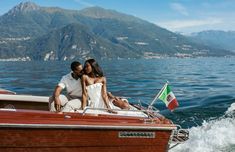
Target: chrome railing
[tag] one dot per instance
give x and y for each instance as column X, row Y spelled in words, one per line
column 179, row 136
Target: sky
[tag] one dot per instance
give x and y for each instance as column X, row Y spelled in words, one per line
column 183, row 16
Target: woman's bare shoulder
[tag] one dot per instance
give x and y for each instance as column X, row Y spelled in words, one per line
column 84, row 77
column 103, row 79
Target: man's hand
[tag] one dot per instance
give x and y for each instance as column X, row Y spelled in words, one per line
column 57, row 107
column 57, row 101
column 57, row 104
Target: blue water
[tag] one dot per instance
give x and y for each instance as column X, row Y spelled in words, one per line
column 204, row 87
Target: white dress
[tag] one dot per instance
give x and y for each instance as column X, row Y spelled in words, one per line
column 94, row 92
column 95, row 95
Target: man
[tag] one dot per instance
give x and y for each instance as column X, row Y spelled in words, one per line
column 72, row 83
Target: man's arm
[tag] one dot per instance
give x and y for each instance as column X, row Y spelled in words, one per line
column 56, row 95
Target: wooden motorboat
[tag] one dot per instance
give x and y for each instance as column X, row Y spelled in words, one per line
column 137, row 130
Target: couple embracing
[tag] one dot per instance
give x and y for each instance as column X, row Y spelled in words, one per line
column 85, row 87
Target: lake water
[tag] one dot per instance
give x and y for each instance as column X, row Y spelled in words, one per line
column 204, row 88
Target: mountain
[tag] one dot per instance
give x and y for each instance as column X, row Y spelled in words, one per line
column 33, row 32
column 219, row 39
column 29, row 19
column 74, row 41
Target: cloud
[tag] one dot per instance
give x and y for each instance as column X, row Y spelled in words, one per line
column 179, row 8
column 82, row 2
column 182, row 24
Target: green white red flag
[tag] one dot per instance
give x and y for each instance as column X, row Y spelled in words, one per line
column 168, row 98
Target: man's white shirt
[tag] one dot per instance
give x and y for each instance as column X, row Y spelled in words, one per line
column 73, row 86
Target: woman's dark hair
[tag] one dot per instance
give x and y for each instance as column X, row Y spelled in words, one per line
column 75, row 64
column 96, row 69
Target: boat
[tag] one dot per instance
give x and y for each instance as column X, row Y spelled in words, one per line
column 27, row 125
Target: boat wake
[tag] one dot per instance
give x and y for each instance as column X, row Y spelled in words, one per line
column 216, row 135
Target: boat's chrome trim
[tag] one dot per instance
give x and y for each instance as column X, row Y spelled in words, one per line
column 136, row 134
column 129, row 112
column 177, row 137
column 62, row 126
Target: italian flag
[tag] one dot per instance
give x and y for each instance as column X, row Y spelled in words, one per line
column 168, row 98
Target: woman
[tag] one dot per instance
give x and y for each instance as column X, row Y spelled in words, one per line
column 94, row 86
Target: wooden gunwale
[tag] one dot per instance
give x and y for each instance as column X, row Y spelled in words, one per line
column 36, row 119
column 59, row 126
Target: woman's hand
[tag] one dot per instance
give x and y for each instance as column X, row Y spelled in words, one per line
column 112, row 111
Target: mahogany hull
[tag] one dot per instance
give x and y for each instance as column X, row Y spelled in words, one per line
column 20, row 139
column 45, row 131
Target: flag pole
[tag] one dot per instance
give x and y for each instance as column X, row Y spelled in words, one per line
column 157, row 95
